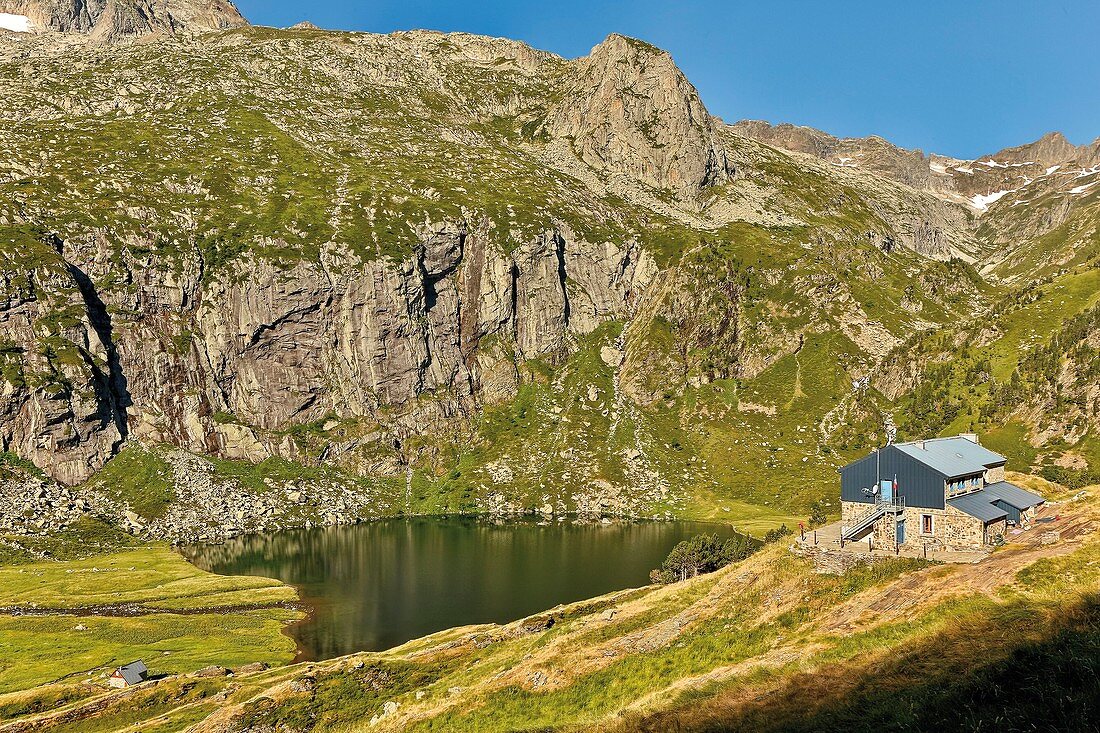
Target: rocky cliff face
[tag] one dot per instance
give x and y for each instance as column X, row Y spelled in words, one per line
column 1015, row 195
column 875, row 154
column 226, row 363
column 629, row 110
column 111, row 21
column 62, row 401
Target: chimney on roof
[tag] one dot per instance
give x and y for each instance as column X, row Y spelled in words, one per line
column 972, row 437
column 920, row 444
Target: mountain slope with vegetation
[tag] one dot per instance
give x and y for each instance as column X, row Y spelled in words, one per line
column 322, row 243
column 763, row 644
column 253, row 279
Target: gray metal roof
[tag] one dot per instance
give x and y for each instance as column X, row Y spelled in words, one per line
column 1013, row 495
column 134, row 672
column 978, row 505
column 952, row 457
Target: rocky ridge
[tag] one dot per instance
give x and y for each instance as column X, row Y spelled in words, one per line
column 628, row 109
column 1017, row 194
column 114, row 21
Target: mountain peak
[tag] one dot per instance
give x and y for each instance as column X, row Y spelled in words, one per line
column 1050, row 149
column 630, row 110
column 109, row 21
column 616, row 43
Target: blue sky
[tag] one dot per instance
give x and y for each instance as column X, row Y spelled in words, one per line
column 957, row 77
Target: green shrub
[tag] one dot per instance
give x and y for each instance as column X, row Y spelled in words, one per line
column 818, row 517
column 1071, row 478
column 775, row 535
column 703, row 553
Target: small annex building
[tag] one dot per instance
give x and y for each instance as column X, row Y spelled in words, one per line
column 129, row 675
column 946, row 493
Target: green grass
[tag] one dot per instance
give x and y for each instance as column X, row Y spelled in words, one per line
column 1033, row 324
column 42, row 649
column 42, row 699
column 139, row 478
column 992, row 376
column 9, row 461
column 150, row 575
column 86, row 537
column 342, row 698
column 967, row 671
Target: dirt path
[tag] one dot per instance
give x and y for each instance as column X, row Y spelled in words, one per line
column 921, row 589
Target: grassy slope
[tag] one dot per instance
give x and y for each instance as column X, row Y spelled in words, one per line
column 755, row 625
column 178, row 618
column 1074, row 242
column 766, row 644
column 963, row 373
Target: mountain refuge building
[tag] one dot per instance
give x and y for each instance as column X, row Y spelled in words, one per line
column 945, row 493
column 129, row 675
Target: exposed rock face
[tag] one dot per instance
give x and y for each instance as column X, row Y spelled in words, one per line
column 59, row 15
column 1048, row 150
column 62, row 399
column 631, row 111
column 272, row 347
column 111, row 21
column 872, row 153
column 797, row 138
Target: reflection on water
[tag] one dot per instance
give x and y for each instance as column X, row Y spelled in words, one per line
column 374, row 586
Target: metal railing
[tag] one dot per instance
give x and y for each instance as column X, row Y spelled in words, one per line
column 894, row 504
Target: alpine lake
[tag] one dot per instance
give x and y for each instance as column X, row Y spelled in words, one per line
column 374, row 586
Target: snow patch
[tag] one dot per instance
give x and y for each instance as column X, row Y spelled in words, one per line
column 17, row 23
column 994, row 164
column 1083, row 188
column 981, row 203
column 846, row 163
column 1052, row 169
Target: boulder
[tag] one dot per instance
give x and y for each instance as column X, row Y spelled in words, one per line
column 212, row 671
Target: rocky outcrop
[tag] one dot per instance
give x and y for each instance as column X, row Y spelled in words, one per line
column 873, row 153
column 62, row 397
column 209, row 508
column 629, row 110
column 77, row 16
column 30, row 506
column 205, row 507
column 1048, row 150
column 225, row 362
column 797, row 138
column 111, row 21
